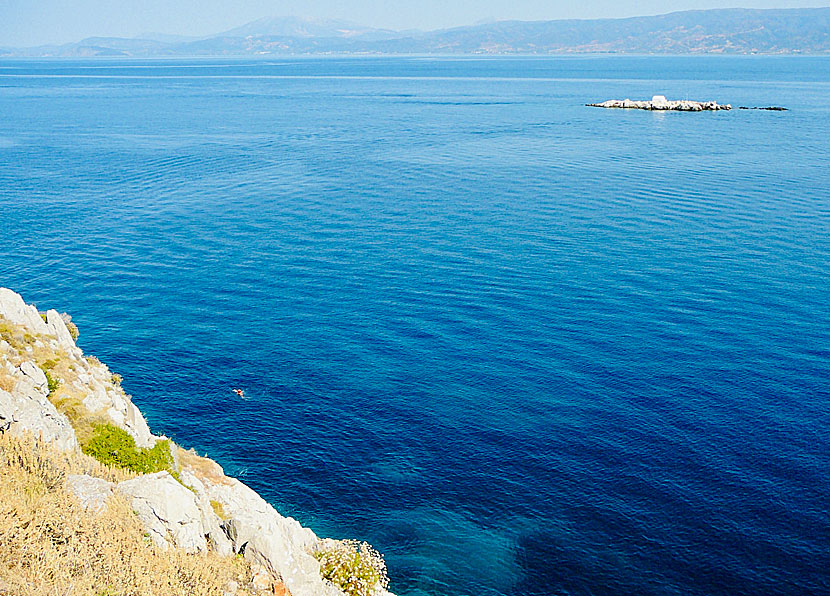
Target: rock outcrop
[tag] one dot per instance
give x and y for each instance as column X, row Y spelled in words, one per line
column 660, row 103
column 25, row 407
column 215, row 534
column 267, row 539
column 169, row 511
column 91, row 492
column 16, row 311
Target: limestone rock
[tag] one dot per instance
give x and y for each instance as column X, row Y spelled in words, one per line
column 214, row 533
column 262, row 579
column 15, row 310
column 211, row 523
column 57, row 327
column 26, row 409
column 91, row 492
column 169, row 511
column 96, row 398
column 267, row 539
column 37, row 376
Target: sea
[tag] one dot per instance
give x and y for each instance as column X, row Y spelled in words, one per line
column 522, row 346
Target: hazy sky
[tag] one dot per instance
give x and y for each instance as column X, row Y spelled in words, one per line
column 34, row 22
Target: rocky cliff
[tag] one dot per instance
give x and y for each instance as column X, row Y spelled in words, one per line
column 74, row 404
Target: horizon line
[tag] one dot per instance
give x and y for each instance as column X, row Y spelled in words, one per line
column 146, row 35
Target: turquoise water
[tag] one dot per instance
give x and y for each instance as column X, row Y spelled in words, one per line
column 522, row 346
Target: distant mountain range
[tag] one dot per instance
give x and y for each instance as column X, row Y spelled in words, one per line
column 728, row 31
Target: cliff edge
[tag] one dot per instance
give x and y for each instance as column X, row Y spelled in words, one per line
column 67, row 410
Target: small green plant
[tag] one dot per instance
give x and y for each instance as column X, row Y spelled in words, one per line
column 353, row 566
column 52, row 382
column 49, row 364
column 43, row 316
column 116, row 447
column 116, row 379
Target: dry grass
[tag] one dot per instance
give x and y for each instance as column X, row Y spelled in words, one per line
column 7, row 381
column 50, row 546
column 33, row 455
column 13, row 334
column 219, row 509
column 202, row 467
column 82, row 421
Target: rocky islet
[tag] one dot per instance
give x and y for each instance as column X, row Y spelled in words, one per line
column 660, row 103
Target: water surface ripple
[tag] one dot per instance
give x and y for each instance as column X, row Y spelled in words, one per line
column 522, row 346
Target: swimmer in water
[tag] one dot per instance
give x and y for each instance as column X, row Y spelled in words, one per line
column 239, row 392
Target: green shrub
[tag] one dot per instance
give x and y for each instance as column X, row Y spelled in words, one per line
column 114, row 446
column 52, row 382
column 354, row 567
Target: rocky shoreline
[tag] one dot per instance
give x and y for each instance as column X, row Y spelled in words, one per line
column 660, row 103
column 51, row 391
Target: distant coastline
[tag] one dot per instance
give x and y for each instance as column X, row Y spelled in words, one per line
column 800, row 31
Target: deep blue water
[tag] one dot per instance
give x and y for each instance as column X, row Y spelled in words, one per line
column 522, row 346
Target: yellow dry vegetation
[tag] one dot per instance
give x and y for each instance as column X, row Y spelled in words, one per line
column 7, row 381
column 51, row 546
column 51, row 465
column 202, row 467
